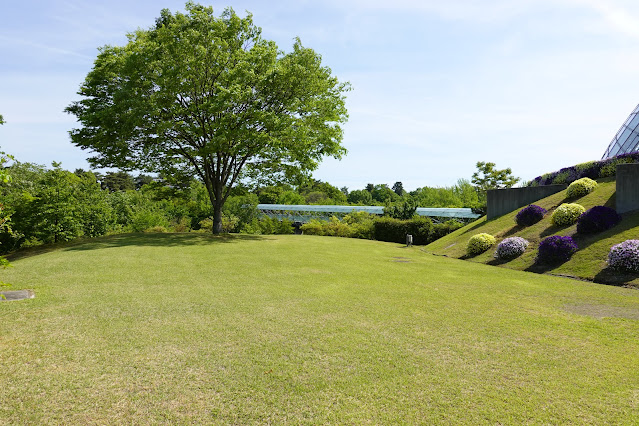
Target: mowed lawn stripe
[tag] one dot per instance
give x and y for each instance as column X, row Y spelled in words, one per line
column 183, row 328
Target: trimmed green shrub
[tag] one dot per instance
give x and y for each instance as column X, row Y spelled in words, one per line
column 581, row 187
column 395, row 230
column 479, row 243
column 567, row 214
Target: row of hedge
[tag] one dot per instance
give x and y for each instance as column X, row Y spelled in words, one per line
column 590, row 169
column 384, row 228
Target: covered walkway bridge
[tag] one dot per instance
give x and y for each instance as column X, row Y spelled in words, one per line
column 304, row 213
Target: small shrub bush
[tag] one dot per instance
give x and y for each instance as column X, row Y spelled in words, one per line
column 597, row 219
column 625, row 256
column 581, row 187
column 567, row 214
column 511, row 248
column 555, row 249
column 530, row 215
column 479, row 243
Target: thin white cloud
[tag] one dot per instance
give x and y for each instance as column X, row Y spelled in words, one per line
column 50, row 49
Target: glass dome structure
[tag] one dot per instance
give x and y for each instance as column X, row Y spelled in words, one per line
column 627, row 138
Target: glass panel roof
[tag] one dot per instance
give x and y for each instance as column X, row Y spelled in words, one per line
column 625, row 140
column 422, row 211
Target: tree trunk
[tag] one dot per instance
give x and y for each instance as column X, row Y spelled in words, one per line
column 217, row 217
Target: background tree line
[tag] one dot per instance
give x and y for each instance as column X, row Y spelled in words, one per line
column 50, row 204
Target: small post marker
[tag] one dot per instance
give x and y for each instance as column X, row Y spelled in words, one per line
column 409, row 240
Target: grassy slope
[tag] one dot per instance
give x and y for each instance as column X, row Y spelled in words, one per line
column 300, row 329
column 588, row 263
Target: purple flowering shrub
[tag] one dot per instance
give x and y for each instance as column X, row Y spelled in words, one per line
column 511, row 248
column 591, row 169
column 597, row 219
column 556, row 249
column 530, row 215
column 625, row 256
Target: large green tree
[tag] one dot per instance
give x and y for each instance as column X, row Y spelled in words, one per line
column 208, row 96
column 487, row 177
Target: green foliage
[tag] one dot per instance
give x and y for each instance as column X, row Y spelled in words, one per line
column 52, row 213
column 610, row 169
column 438, row 230
column 581, row 187
column 354, row 225
column 567, row 214
column 317, row 192
column 268, row 226
column 395, row 230
column 242, row 207
column 479, row 243
column 463, row 194
column 381, row 194
column 561, row 178
column 584, row 166
column 398, row 188
column 118, row 181
column 170, row 102
column 360, row 197
column 403, row 209
column 290, row 197
column 487, row 177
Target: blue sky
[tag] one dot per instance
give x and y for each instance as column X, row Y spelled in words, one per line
column 534, row 85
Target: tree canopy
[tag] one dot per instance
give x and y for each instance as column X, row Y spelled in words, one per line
column 207, row 96
column 487, row 177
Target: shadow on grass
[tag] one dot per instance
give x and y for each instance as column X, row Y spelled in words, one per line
column 512, row 231
column 135, row 239
column 498, row 262
column 542, row 268
column 551, row 230
column 615, row 277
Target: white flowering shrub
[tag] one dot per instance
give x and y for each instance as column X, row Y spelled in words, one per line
column 567, row 214
column 511, row 248
column 625, row 256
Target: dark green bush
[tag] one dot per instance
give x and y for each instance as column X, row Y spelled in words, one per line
column 395, row 230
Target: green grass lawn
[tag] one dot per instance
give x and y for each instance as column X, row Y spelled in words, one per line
column 187, row 328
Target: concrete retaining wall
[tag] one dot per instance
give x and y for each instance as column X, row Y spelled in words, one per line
column 627, row 197
column 502, row 201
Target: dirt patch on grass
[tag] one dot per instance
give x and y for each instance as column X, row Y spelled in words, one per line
column 401, row 259
column 603, row 311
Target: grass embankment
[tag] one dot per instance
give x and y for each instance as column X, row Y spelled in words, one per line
column 588, row 263
column 299, row 329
